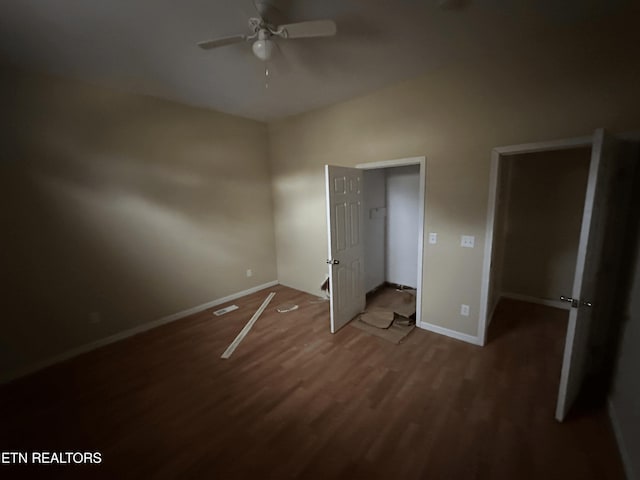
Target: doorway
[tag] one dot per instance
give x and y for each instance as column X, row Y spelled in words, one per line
column 598, row 260
column 498, row 194
column 393, row 213
column 540, row 202
column 346, row 232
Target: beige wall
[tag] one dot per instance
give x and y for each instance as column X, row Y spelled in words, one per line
column 542, row 222
column 454, row 117
column 128, row 206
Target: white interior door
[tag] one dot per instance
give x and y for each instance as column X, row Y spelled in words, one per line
column 344, row 224
column 593, row 277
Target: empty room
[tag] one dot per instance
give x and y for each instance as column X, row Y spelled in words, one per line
column 298, row 239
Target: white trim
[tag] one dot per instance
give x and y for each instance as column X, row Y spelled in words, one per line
column 74, row 352
column 243, row 333
column 483, row 321
column 496, row 156
column 540, row 301
column 327, row 196
column 399, row 162
column 563, row 144
column 422, row 163
column 622, row 447
column 450, row 333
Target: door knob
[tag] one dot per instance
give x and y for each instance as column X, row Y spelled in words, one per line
column 575, row 302
column 333, row 262
column 572, row 301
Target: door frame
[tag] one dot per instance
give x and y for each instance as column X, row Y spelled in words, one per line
column 422, row 175
column 497, row 156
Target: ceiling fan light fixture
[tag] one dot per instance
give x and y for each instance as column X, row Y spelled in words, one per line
column 262, row 32
column 263, row 48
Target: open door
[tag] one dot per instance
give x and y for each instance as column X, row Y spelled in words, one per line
column 597, row 265
column 344, row 224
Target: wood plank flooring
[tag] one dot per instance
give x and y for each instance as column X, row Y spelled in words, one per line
column 294, row 401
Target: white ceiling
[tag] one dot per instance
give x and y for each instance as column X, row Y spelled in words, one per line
column 149, row 46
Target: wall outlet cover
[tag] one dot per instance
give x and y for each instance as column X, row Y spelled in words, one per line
column 464, row 310
column 467, row 241
column 433, row 238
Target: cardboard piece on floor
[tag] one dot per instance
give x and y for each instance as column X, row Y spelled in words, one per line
column 395, row 333
column 377, row 318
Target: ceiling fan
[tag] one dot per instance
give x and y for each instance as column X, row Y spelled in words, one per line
column 263, row 32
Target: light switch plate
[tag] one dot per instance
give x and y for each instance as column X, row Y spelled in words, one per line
column 433, row 238
column 467, row 241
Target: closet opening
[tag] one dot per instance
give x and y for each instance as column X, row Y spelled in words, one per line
column 393, row 212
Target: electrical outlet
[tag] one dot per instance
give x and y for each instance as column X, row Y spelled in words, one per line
column 467, row 241
column 464, row 310
column 249, row 272
column 433, row 238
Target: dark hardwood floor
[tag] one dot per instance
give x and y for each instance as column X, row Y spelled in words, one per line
column 294, row 401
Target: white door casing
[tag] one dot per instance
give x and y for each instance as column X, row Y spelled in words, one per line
column 421, row 162
column 591, row 280
column 488, row 268
column 344, row 223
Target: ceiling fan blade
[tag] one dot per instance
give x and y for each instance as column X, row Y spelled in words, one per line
column 314, row 28
column 221, row 42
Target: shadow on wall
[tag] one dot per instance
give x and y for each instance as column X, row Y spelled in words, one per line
column 605, row 340
column 543, row 217
column 122, row 209
column 296, row 199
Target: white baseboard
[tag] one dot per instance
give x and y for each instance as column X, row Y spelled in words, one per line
column 74, row 352
column 540, row 301
column 450, row 333
column 624, row 453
